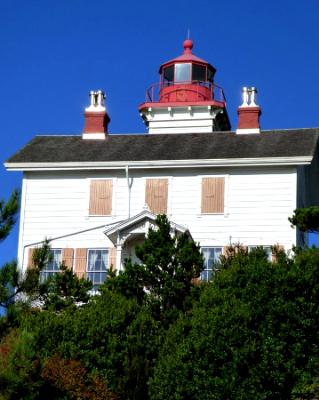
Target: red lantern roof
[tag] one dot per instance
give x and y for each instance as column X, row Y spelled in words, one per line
column 187, row 56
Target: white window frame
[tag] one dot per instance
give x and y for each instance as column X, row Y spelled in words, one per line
column 208, row 271
column 96, row 283
column 53, row 266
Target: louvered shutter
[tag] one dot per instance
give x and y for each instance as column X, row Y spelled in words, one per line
column 30, row 258
column 80, row 262
column 101, row 197
column 277, row 247
column 213, row 195
column 156, row 195
column 112, row 258
column 67, row 257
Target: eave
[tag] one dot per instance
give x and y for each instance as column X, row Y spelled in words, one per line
column 196, row 163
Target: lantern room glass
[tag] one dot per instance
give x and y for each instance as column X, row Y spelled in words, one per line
column 199, row 73
column 168, row 74
column 183, row 72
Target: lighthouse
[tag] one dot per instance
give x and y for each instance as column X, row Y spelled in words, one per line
column 186, row 98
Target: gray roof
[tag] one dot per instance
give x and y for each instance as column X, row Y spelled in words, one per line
column 151, row 147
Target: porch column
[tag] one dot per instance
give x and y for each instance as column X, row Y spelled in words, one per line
column 118, row 258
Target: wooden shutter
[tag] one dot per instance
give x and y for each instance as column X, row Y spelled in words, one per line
column 276, row 248
column 112, row 258
column 156, row 195
column 196, row 281
column 80, row 262
column 30, row 258
column 67, row 257
column 101, row 197
column 213, row 195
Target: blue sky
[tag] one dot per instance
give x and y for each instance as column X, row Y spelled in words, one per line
column 54, row 52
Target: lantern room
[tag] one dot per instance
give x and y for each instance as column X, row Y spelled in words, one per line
column 186, row 98
column 186, row 78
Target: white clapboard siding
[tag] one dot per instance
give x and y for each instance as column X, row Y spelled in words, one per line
column 258, row 203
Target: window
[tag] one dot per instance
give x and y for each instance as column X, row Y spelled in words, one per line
column 182, row 72
column 210, row 75
column 53, row 266
column 156, row 191
column 168, row 74
column 199, row 73
column 97, row 265
column 101, row 197
column 213, row 195
column 211, row 258
column 267, row 250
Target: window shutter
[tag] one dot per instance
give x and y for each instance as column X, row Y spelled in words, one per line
column 278, row 247
column 30, row 258
column 213, row 195
column 80, row 262
column 156, row 195
column 67, row 257
column 112, row 258
column 101, row 197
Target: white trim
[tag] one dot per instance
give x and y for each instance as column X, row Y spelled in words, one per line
column 107, row 249
column 247, row 131
column 93, row 136
column 137, row 218
column 194, row 163
column 21, row 223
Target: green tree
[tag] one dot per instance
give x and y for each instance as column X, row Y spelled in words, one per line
column 64, row 289
column 112, row 337
column 169, row 265
column 252, row 335
column 118, row 333
column 8, row 214
column 12, row 282
column 306, row 219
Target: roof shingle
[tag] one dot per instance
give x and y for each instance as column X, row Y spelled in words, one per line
column 216, row 145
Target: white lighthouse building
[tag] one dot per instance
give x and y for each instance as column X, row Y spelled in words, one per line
column 94, row 195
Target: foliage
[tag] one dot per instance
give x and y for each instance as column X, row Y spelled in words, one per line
column 111, row 335
column 252, row 335
column 8, row 212
column 169, row 264
column 18, row 366
column 19, row 293
column 64, row 290
column 71, row 378
column 306, row 219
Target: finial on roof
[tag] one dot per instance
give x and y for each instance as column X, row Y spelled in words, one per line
column 188, row 45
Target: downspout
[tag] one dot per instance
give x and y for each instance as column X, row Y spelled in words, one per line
column 129, row 186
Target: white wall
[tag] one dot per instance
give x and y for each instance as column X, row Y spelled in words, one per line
column 258, row 202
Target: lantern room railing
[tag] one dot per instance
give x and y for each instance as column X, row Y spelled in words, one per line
column 182, row 91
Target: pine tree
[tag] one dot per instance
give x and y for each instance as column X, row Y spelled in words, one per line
column 169, row 265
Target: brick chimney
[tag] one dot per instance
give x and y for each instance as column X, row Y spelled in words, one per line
column 248, row 113
column 96, row 117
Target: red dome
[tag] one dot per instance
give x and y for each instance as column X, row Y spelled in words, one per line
column 188, row 45
column 188, row 56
